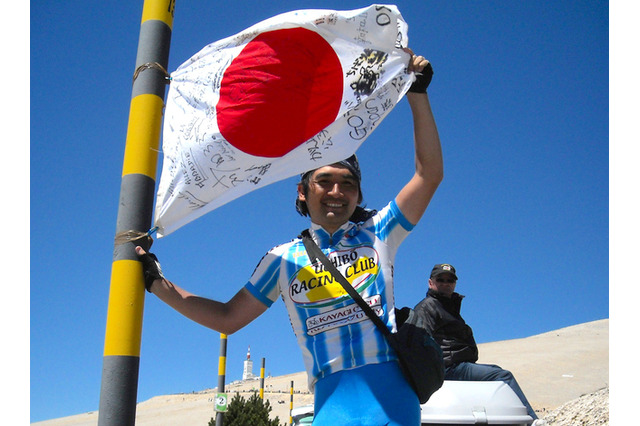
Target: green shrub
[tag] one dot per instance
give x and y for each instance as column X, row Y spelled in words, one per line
column 241, row 412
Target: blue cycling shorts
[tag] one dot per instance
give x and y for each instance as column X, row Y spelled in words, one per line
column 372, row 395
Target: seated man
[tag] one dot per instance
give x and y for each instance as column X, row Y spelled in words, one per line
column 441, row 312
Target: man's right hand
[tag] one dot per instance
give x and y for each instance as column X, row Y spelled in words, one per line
column 150, row 267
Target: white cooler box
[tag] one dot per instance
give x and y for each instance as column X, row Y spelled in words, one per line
column 474, row 403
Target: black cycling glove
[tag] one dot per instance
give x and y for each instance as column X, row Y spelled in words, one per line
column 151, row 269
column 423, row 78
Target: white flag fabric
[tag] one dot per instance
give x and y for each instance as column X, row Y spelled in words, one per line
column 293, row 93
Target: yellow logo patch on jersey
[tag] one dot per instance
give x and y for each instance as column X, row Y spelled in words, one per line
column 312, row 286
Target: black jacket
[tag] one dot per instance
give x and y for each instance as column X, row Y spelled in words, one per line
column 442, row 317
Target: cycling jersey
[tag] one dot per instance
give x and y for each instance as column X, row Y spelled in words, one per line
column 332, row 331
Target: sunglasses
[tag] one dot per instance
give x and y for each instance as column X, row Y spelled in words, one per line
column 445, row 280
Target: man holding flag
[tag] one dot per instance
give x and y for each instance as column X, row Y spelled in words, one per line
column 353, row 371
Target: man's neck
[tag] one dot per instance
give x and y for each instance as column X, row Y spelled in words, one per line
column 330, row 229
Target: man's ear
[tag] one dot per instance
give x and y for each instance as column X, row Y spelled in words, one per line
column 432, row 285
column 301, row 196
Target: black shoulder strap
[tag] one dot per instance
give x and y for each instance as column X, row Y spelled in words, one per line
column 314, row 252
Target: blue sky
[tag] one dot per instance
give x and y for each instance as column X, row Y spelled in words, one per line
column 521, row 98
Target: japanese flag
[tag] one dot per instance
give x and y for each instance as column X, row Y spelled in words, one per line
column 295, row 92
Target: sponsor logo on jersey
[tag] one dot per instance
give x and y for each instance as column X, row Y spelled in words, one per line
column 342, row 316
column 313, row 287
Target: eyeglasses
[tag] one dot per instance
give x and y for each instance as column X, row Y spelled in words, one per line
column 445, row 280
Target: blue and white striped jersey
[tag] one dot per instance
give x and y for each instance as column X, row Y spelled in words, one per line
column 332, row 331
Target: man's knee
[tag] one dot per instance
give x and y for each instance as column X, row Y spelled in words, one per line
column 504, row 375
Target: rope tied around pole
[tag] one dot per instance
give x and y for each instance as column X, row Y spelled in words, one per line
column 136, row 236
column 152, row 65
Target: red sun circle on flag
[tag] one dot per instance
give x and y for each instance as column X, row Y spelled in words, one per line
column 283, row 88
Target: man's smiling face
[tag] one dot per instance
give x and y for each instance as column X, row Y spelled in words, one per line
column 333, row 195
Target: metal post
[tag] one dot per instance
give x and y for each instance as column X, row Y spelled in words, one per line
column 118, row 392
column 291, row 405
column 262, row 380
column 222, row 371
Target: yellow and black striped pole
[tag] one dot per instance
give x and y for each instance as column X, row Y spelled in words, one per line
column 118, row 392
column 222, row 373
column 291, row 405
column 262, row 380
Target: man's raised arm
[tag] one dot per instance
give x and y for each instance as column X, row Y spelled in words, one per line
column 414, row 198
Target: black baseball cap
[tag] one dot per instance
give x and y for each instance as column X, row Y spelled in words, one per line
column 350, row 163
column 442, row 268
